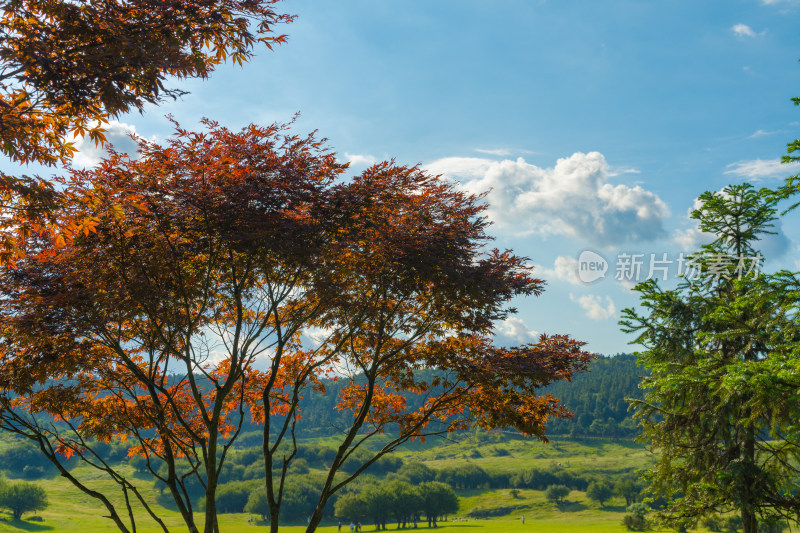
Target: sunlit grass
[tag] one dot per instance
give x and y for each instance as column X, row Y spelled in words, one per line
column 73, row 511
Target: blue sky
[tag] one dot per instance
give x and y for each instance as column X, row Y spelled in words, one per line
column 596, row 124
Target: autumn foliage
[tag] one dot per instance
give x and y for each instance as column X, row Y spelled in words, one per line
column 66, row 68
column 67, row 65
column 223, row 274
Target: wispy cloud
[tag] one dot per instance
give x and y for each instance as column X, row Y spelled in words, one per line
column 762, row 133
column 502, row 152
column 759, row 169
column 618, row 171
column 360, row 160
column 593, row 305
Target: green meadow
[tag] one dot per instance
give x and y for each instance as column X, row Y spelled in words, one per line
column 71, row 510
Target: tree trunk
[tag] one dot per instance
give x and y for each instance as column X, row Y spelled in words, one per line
column 316, row 518
column 212, row 526
column 274, row 511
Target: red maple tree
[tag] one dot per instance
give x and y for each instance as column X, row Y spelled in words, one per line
column 183, row 305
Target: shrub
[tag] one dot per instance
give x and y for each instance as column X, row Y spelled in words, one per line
column 257, row 504
column 36, row 465
column 416, row 473
column 232, row 497
column 600, row 491
column 636, row 519
column 713, row 523
column 634, row 523
column 556, row 493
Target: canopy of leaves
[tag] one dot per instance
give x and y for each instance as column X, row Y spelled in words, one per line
column 556, row 493
column 22, row 497
column 67, row 66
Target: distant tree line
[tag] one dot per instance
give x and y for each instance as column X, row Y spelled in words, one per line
column 596, row 397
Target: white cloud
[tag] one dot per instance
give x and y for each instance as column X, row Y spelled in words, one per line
column 468, row 168
column 360, row 160
column 623, row 170
column 743, row 30
column 593, row 305
column 573, row 198
column 758, row 169
column 317, row 336
column 691, row 239
column 515, row 329
column 763, row 133
column 502, row 152
column 118, row 135
column 564, row 268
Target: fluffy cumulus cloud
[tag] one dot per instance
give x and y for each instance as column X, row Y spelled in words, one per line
column 514, row 328
column 760, row 169
column 743, row 30
column 573, row 198
column 564, row 268
column 596, row 307
column 118, row 135
column 691, row 239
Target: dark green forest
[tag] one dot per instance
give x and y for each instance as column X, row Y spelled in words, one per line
column 597, row 399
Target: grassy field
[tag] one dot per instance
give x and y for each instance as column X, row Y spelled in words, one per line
column 509, row 453
column 72, row 511
column 238, row 524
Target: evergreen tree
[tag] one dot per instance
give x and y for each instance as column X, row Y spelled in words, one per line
column 722, row 349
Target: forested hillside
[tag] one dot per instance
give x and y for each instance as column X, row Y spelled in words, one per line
column 596, row 397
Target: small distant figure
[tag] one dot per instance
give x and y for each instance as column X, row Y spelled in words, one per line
column 340, row 526
column 352, row 526
column 358, row 526
column 523, row 519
